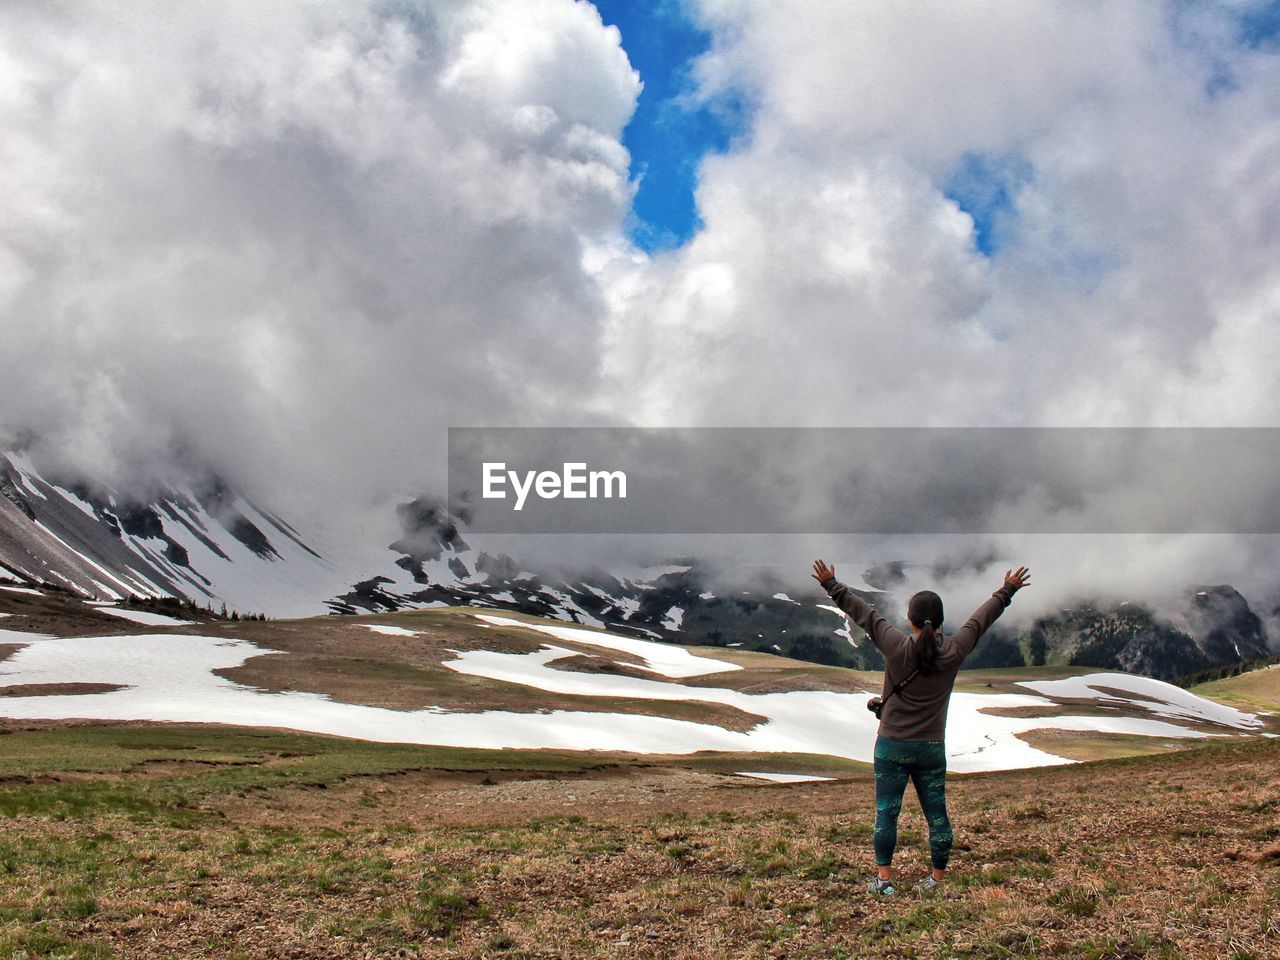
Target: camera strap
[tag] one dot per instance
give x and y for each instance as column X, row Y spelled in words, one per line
column 897, row 687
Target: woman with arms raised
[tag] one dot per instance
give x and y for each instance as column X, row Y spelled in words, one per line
column 920, row 671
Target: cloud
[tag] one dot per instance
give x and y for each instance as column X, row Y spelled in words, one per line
column 296, row 241
column 836, row 283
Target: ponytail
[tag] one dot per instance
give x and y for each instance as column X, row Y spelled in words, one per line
column 927, row 649
column 925, row 611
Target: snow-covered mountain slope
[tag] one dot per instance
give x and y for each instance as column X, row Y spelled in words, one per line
column 210, row 545
column 431, row 564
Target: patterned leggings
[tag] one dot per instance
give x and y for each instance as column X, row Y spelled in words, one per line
column 925, row 763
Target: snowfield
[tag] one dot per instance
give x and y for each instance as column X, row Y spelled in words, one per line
column 170, row 677
column 18, row 637
column 1174, row 702
column 667, row 659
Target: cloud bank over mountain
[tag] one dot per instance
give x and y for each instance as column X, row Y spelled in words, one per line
column 296, row 242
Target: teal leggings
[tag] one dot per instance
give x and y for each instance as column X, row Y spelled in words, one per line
column 925, row 763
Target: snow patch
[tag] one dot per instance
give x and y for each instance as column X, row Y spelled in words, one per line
column 27, row 473
column 780, row 777
column 673, row 619
column 18, row 636
column 145, row 618
column 569, row 606
column 34, row 593
column 628, row 606
column 842, row 631
column 668, row 659
column 389, row 631
column 154, row 591
column 816, row 721
column 83, row 505
column 107, row 591
column 1173, row 702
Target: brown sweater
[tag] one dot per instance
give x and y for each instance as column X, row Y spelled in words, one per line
column 919, row 710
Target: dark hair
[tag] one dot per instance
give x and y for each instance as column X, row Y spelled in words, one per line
column 925, row 611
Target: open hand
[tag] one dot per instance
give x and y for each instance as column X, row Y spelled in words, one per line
column 821, row 571
column 1017, row 578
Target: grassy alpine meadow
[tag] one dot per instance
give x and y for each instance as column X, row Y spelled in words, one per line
column 1255, row 690
column 144, row 840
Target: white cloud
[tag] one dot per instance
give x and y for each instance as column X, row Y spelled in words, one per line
column 1141, row 251
column 298, row 240
column 1138, row 280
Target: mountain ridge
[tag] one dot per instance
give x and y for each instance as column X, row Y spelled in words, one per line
column 207, row 544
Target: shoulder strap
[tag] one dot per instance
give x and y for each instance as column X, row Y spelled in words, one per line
column 897, row 687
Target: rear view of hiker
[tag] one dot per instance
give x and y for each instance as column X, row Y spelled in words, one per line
column 920, row 670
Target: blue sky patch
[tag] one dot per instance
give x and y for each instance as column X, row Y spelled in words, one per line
column 1251, row 27
column 1260, row 27
column 669, row 133
column 985, row 188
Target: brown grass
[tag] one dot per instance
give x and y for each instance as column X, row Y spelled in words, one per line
column 57, row 689
column 1175, row 856
column 1169, row 856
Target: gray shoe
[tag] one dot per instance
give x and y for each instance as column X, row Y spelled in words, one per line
column 881, row 888
column 929, row 885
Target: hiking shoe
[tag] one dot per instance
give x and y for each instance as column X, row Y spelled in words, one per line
column 881, row 888
column 929, row 885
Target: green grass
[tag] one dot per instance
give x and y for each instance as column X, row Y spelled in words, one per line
column 1255, row 690
column 804, row 763
column 90, row 761
column 975, row 681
